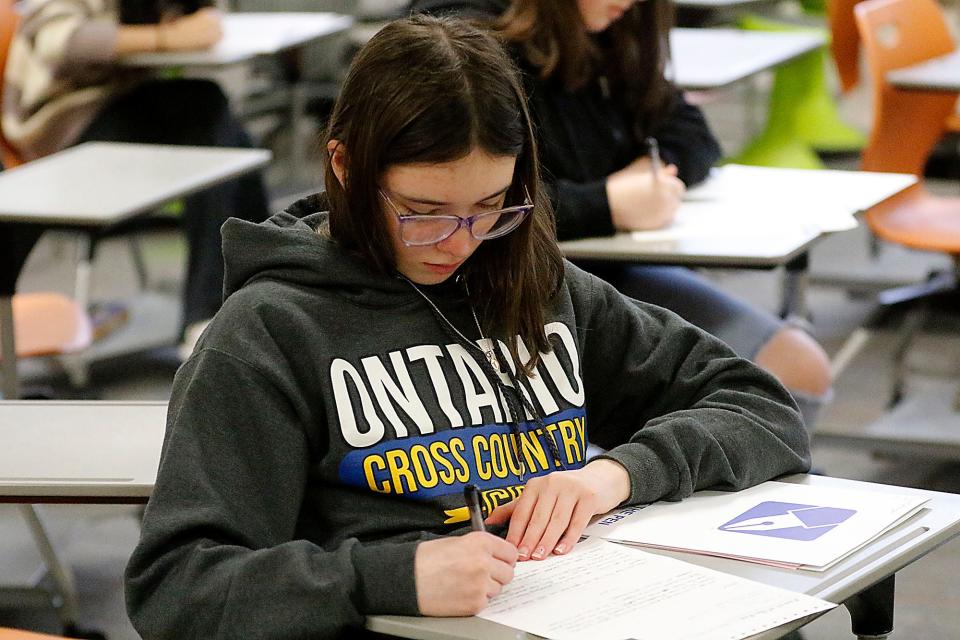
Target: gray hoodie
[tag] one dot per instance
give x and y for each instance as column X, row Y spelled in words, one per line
column 327, row 422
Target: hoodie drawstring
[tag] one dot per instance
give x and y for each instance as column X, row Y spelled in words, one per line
column 517, row 401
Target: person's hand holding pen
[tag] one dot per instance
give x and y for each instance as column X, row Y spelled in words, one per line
column 554, row 509
column 198, row 30
column 644, row 195
column 457, row 576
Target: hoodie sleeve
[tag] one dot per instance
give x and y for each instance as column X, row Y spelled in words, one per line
column 685, row 139
column 68, row 34
column 219, row 556
column 581, row 208
column 676, row 406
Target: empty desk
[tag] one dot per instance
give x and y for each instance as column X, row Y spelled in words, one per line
column 95, row 185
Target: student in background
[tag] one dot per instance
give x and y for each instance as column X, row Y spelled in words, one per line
column 596, row 77
column 365, row 365
column 62, row 88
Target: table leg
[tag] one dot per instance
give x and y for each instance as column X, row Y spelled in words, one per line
column 871, row 610
column 16, row 243
column 750, row 99
column 793, row 304
column 62, row 574
column 11, row 388
column 81, row 287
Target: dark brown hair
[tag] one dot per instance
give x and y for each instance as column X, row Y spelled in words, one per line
column 632, row 53
column 431, row 90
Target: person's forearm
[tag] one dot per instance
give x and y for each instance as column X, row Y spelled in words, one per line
column 614, row 477
column 139, row 38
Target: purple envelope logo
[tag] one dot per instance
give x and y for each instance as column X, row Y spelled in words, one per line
column 788, row 520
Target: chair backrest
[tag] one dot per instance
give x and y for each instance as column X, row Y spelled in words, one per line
column 906, row 124
column 16, row 634
column 8, row 26
column 844, row 42
column 49, row 324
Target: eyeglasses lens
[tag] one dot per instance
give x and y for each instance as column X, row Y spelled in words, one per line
column 418, row 230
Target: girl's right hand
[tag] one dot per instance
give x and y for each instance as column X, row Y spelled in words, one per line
column 640, row 202
column 457, row 576
column 198, row 30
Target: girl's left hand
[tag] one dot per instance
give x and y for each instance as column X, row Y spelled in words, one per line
column 554, row 509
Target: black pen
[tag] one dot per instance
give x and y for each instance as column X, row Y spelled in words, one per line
column 655, row 163
column 472, row 495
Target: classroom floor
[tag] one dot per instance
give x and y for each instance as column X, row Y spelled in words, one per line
column 96, row 541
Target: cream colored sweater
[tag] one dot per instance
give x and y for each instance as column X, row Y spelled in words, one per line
column 59, row 72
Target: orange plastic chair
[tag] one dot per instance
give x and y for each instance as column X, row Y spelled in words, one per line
column 844, row 42
column 907, row 125
column 845, row 48
column 17, row 634
column 49, row 324
column 8, row 26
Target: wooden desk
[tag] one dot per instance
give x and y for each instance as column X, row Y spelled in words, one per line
column 248, row 35
column 745, row 244
column 96, row 184
column 715, row 58
column 868, row 574
column 938, row 74
column 82, row 452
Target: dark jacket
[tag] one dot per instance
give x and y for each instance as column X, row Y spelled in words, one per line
column 327, row 423
column 585, row 136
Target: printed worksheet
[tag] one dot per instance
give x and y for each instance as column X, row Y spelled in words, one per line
column 760, row 201
column 605, row 591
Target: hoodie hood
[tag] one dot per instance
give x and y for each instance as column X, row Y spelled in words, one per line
column 293, row 247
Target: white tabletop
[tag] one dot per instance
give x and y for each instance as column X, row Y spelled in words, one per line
column 67, row 188
column 247, row 35
column 79, row 451
column 714, row 58
column 937, row 523
column 766, row 249
column 750, row 217
column 937, row 74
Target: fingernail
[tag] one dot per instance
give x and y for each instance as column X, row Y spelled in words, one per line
column 560, row 548
column 523, row 552
column 539, row 553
